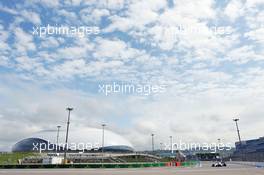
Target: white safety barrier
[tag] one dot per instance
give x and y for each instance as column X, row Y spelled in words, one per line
column 255, row 164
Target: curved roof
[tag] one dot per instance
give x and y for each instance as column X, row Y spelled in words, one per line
column 90, row 136
column 27, row 144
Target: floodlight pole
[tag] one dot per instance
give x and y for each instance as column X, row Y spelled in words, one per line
column 67, row 133
column 238, row 132
column 152, row 142
column 219, row 142
column 161, row 146
column 102, row 149
column 171, row 144
column 58, row 134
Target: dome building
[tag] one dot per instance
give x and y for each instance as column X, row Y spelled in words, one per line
column 80, row 140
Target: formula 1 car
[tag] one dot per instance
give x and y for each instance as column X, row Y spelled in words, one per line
column 219, row 164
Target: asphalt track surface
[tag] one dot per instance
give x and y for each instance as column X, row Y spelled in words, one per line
column 204, row 170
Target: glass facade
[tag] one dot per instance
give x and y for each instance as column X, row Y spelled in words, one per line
column 28, row 145
column 37, row 144
column 118, row 148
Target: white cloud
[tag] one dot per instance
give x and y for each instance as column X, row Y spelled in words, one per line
column 50, row 3
column 26, row 63
column 254, row 3
column 4, row 47
column 69, row 69
column 8, row 10
column 255, row 20
column 256, row 35
column 98, row 14
column 73, row 2
column 109, row 48
column 24, row 41
column 111, row 4
column 26, row 14
column 4, row 61
column 234, row 9
column 134, row 18
column 202, row 9
column 115, row 49
column 243, row 55
column 50, row 42
column 31, row 16
column 68, row 16
column 74, row 52
column 89, row 15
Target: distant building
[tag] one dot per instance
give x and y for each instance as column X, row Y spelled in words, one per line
column 176, row 154
column 207, row 156
column 80, row 140
column 249, row 150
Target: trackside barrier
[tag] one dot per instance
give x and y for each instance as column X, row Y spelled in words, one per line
column 260, row 164
column 105, row 165
column 183, row 164
column 99, row 165
column 254, row 164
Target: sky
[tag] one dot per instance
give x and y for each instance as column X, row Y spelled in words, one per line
column 209, row 54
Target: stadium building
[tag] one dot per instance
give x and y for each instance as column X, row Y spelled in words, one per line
column 84, row 146
column 249, row 150
column 80, row 140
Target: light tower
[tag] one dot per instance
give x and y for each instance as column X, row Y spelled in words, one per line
column 152, row 142
column 171, row 144
column 67, row 133
column 58, row 135
column 238, row 133
column 102, row 149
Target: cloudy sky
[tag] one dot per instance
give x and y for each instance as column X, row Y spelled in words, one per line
column 208, row 53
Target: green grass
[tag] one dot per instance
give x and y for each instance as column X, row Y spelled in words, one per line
column 12, row 158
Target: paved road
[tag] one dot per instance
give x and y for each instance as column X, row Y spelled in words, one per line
column 204, row 170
